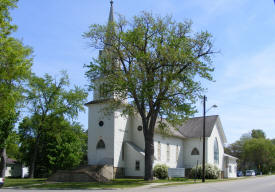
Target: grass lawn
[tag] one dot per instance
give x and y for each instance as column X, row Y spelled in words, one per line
column 22, row 182
column 117, row 183
column 42, row 183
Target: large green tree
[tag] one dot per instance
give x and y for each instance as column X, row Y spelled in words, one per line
column 49, row 97
column 156, row 64
column 259, row 153
column 257, row 133
column 62, row 146
column 253, row 151
column 13, row 143
column 236, row 149
column 15, row 68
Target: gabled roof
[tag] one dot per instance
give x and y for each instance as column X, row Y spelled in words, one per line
column 172, row 130
column 193, row 127
column 229, row 156
column 136, row 148
column 97, row 101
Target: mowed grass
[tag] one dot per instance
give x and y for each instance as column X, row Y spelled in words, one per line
column 117, row 183
column 9, row 182
column 44, row 184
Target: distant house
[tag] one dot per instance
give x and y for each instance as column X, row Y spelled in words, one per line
column 16, row 169
column 118, row 140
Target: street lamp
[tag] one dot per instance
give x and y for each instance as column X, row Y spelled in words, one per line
column 203, row 149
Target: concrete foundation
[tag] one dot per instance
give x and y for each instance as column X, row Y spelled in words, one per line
column 84, row 174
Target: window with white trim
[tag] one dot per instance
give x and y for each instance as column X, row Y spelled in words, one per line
column 216, row 151
column 195, row 151
column 100, row 144
column 137, row 165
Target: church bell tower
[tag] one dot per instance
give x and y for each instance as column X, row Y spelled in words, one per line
column 101, row 125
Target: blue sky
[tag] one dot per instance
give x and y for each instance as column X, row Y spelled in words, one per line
column 243, row 30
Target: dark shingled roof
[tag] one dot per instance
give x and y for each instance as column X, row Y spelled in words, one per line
column 172, row 130
column 192, row 128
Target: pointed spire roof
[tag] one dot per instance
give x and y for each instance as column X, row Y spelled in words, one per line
column 110, row 27
column 111, row 14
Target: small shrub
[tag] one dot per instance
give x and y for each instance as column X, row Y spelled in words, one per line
column 211, row 172
column 161, row 171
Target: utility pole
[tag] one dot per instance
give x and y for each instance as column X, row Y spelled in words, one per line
column 203, row 150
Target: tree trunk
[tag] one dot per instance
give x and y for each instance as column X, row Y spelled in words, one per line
column 3, row 162
column 149, row 157
column 33, row 160
column 148, row 132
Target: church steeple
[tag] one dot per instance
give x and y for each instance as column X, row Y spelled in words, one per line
column 110, row 27
column 111, row 14
column 100, row 88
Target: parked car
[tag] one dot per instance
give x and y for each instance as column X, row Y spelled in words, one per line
column 250, row 173
column 239, row 174
column 1, row 182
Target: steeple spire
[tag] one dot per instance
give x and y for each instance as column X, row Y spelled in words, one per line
column 111, row 15
column 110, row 27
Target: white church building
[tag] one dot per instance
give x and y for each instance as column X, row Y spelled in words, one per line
column 118, row 141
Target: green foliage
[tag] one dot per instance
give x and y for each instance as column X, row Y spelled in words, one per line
column 50, row 99
column 259, row 154
column 211, row 172
column 6, row 126
column 49, row 96
column 254, row 152
column 12, row 148
column 161, row 171
column 158, row 61
column 62, row 146
column 15, row 62
column 257, row 133
column 236, row 149
column 15, row 68
column 5, row 20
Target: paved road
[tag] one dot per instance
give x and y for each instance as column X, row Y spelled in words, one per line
column 256, row 184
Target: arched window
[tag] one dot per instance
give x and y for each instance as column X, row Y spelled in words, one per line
column 100, row 144
column 195, row 151
column 216, row 152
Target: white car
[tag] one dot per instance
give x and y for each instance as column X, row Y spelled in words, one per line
column 1, row 182
column 250, row 173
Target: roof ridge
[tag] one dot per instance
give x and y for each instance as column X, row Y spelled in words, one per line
column 205, row 116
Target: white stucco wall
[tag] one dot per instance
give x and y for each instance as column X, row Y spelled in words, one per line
column 137, row 137
column 118, row 129
column 190, row 161
column 95, row 133
column 230, row 172
column 210, row 145
column 122, row 133
column 8, row 171
column 173, row 143
column 131, row 158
